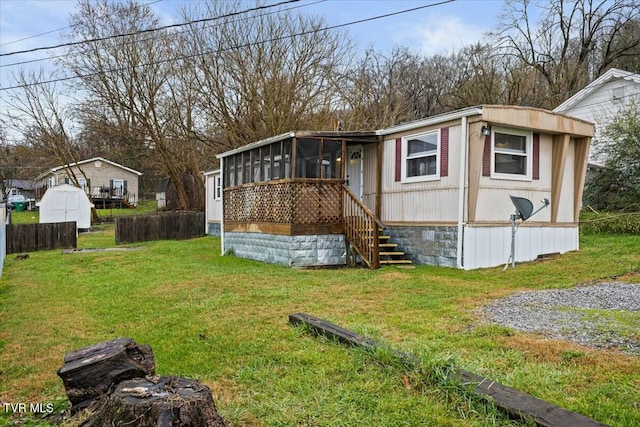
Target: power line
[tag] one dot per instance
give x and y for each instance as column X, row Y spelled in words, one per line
column 149, row 30
column 59, row 29
column 151, row 38
column 332, row 27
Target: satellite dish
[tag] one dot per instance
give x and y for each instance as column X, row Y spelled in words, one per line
column 524, row 207
column 524, row 211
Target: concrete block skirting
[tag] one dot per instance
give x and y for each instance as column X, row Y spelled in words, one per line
column 295, row 251
column 428, row 245
column 213, row 229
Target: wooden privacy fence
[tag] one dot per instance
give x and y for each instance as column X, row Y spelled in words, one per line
column 41, row 237
column 167, row 226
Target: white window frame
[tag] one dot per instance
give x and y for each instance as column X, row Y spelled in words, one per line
column 528, row 154
column 405, row 157
column 83, row 184
column 217, row 187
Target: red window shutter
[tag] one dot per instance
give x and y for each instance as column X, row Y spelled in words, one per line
column 444, row 152
column 536, row 156
column 398, row 159
column 486, row 156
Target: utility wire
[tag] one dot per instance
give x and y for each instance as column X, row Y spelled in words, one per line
column 149, row 30
column 59, row 29
column 164, row 36
column 332, row 27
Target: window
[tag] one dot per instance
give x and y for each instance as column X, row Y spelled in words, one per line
column 511, row 157
column 420, row 157
column 217, row 188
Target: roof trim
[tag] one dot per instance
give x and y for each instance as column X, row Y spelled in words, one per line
column 300, row 134
column 81, row 162
column 610, row 75
column 257, row 144
column 211, row 172
column 440, row 118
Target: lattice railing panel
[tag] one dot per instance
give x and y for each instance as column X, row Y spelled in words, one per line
column 298, row 202
column 259, row 203
column 317, row 203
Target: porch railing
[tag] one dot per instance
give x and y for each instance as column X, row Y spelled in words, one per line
column 361, row 228
column 285, row 202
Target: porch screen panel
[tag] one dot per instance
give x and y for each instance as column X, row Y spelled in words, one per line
column 331, row 153
column 246, row 167
column 276, row 161
column 255, row 161
column 286, row 159
column 265, row 157
column 308, row 158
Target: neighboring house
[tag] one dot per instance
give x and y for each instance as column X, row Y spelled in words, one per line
column 213, row 187
column 438, row 187
column 106, row 182
column 601, row 101
column 25, row 187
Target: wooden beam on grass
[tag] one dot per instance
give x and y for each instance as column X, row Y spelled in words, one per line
column 512, row 401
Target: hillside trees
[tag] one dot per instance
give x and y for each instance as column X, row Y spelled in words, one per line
column 262, row 73
column 573, row 42
column 127, row 81
column 617, row 186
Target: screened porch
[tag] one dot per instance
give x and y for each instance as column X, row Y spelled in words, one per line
column 291, row 184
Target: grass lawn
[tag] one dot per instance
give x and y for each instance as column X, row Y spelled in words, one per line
column 223, row 320
column 143, row 208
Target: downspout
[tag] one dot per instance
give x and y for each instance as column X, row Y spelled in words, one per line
column 221, row 205
column 462, row 179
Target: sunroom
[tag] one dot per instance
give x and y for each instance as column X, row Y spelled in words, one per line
column 286, row 199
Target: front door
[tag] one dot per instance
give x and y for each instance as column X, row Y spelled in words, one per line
column 354, row 169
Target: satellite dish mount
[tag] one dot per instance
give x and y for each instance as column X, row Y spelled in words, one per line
column 524, row 211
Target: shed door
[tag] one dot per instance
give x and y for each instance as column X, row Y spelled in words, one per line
column 354, row 169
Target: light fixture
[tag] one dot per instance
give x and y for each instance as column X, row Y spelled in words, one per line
column 486, row 130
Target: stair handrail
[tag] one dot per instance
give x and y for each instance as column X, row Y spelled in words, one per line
column 361, row 228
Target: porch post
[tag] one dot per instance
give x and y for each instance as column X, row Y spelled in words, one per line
column 378, row 203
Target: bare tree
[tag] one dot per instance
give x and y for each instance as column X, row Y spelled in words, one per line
column 127, row 80
column 263, row 73
column 574, row 42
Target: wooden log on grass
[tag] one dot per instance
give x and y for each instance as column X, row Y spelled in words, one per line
column 512, row 401
column 90, row 372
column 157, row 402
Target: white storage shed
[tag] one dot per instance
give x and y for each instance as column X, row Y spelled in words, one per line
column 66, row 203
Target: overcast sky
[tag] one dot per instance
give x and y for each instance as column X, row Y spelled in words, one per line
column 26, row 24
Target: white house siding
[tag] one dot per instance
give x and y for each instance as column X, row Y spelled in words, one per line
column 422, row 202
column 213, row 206
column 603, row 104
column 369, row 154
column 490, row 246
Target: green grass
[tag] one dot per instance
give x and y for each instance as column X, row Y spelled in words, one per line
column 223, row 320
column 143, row 208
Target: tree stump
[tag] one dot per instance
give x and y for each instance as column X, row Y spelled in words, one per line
column 157, row 402
column 89, row 372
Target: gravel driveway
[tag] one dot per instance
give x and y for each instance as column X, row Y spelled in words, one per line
column 606, row 315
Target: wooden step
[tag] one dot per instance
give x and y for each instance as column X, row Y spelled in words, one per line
column 387, row 245
column 395, row 261
column 398, row 253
